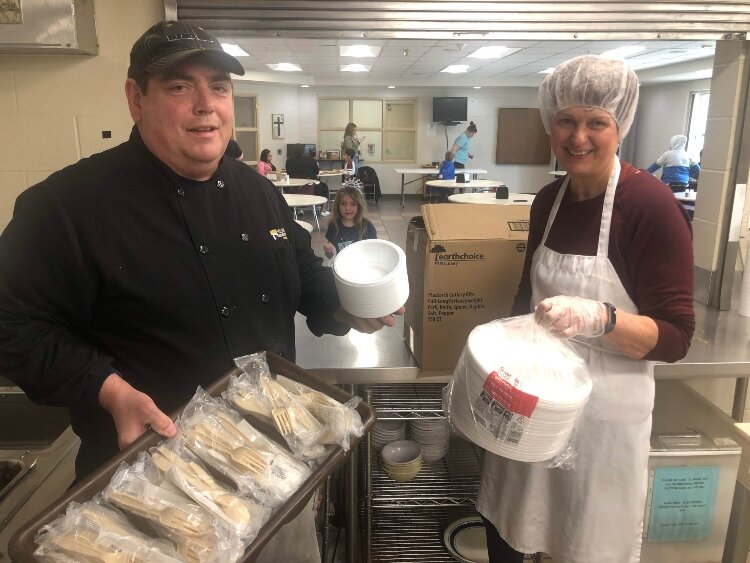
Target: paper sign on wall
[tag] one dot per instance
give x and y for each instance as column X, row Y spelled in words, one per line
column 682, row 503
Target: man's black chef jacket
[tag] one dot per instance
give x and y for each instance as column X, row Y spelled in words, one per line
column 117, row 264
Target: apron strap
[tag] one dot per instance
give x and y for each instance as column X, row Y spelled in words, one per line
column 555, row 207
column 602, row 249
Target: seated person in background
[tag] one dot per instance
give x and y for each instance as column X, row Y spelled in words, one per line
column 300, row 165
column 694, row 172
column 447, row 167
column 350, row 167
column 233, row 150
column 264, row 164
column 676, row 163
column 348, row 223
column 447, row 171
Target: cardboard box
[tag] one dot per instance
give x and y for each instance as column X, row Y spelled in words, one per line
column 464, row 264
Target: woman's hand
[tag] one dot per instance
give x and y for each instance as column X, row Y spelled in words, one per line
column 471, row 156
column 328, row 249
column 566, row 316
column 368, row 326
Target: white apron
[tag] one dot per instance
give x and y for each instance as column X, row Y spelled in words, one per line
column 593, row 513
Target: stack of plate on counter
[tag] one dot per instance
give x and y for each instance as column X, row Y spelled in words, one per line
column 401, row 460
column 432, row 436
column 522, row 371
column 387, row 431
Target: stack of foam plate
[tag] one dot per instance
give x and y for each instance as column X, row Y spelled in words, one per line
column 401, row 460
column 432, row 436
column 371, row 278
column 515, row 395
column 387, row 431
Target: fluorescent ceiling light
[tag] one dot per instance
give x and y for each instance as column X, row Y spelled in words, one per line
column 456, row 69
column 490, row 52
column 476, row 87
column 285, row 67
column 234, row 50
column 359, row 51
column 623, row 52
column 391, row 87
column 355, row 68
column 549, row 70
column 305, row 86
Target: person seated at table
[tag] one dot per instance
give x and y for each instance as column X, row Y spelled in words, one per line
column 677, row 164
column 264, row 164
column 348, row 223
column 234, row 150
column 447, row 171
column 300, row 165
column 350, row 167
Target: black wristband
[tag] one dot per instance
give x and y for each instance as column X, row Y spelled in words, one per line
column 611, row 318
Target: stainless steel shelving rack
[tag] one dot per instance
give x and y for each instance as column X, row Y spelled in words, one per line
column 405, row 521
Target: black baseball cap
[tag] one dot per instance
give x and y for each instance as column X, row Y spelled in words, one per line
column 170, row 42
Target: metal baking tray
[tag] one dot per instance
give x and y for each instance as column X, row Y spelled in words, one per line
column 21, row 547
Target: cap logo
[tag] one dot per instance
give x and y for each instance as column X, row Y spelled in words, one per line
column 179, row 36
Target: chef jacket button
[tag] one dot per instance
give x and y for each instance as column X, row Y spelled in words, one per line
column 245, row 237
column 219, row 184
column 225, row 312
column 265, row 298
column 203, row 249
column 181, row 192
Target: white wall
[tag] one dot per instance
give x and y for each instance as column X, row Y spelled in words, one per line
column 300, row 109
column 54, row 107
column 663, row 111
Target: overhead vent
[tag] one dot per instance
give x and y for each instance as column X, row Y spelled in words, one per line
column 65, row 27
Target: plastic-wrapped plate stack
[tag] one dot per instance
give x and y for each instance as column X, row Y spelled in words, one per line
column 518, row 396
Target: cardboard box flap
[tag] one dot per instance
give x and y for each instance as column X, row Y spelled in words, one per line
column 463, row 221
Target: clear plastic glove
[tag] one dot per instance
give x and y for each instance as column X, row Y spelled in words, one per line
column 566, row 316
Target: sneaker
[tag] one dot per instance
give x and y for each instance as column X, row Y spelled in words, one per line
column 325, row 213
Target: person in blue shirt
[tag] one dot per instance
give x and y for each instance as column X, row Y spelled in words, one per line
column 348, row 223
column 462, row 146
column 677, row 165
column 447, row 171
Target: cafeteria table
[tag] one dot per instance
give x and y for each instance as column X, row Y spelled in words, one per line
column 473, row 185
column 303, row 200
column 305, row 225
column 424, row 172
column 293, row 182
column 489, row 198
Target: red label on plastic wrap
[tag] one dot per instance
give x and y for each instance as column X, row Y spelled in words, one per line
column 510, row 397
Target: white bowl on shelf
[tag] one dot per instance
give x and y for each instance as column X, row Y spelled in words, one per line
column 401, row 453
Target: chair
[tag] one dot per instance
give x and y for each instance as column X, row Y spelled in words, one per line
column 370, row 182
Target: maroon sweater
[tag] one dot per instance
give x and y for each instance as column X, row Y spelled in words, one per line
column 650, row 247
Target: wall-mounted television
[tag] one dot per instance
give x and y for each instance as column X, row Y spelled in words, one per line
column 449, row 109
column 310, row 149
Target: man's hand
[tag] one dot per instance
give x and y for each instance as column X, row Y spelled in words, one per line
column 566, row 316
column 133, row 412
column 368, row 326
column 328, row 249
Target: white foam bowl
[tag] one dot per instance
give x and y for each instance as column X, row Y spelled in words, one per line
column 371, row 278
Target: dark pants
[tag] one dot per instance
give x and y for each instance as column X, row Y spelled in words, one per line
column 498, row 550
column 322, row 190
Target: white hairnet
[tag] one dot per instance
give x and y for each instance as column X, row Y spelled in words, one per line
column 591, row 81
column 677, row 142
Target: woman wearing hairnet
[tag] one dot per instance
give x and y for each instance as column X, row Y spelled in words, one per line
column 678, row 166
column 609, row 265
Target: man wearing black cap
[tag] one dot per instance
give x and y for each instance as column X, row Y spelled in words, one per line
column 135, row 275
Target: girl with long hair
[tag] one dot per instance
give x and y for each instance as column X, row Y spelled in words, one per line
column 348, row 223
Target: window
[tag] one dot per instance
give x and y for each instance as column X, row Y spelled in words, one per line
column 246, row 126
column 697, row 125
column 389, row 127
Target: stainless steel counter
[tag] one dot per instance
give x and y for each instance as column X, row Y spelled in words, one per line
column 720, row 349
